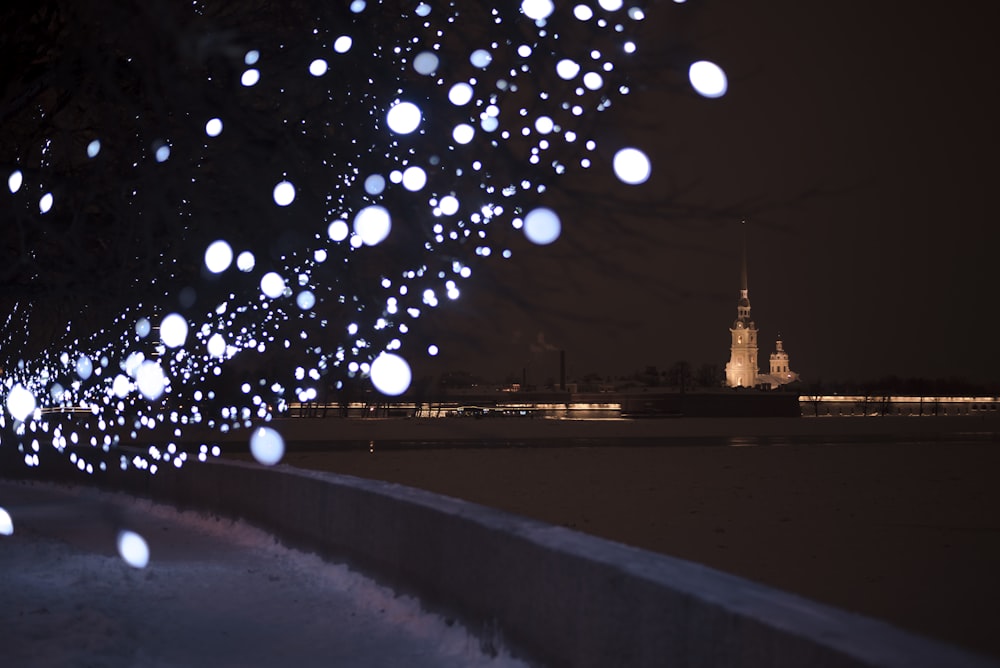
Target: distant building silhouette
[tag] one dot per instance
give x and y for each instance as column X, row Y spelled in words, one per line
column 742, row 371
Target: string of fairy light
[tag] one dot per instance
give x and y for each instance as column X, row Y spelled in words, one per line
column 152, row 370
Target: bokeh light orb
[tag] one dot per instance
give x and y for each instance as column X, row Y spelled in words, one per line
column 414, row 178
column 150, row 380
column 343, row 44
column 708, row 79
column 403, row 118
column 632, row 166
column 284, row 193
column 6, row 523
column 481, row 58
column 391, row 374
column 245, row 261
column 173, row 330
column 213, row 128
column 463, row 133
column 567, row 69
column 15, row 180
column 218, row 256
column 250, row 77
column 216, row 345
column 338, row 230
column 537, row 9
column 133, row 549
column 318, row 67
column 426, row 63
column 20, row 402
column 372, row 224
column 267, row 446
column 542, row 226
column 460, row 94
column 272, row 285
column 305, row 300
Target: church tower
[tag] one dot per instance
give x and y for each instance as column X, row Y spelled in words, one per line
column 741, row 371
column 779, row 359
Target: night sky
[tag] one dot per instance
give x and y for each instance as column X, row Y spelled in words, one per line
column 859, row 142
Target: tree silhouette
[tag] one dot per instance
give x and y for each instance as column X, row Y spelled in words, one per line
column 137, row 135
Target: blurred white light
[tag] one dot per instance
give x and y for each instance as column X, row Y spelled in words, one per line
column 45, row 203
column 390, row 374
column 593, row 80
column 374, row 184
column 245, row 261
column 216, row 345
column 142, row 327
column 343, row 44
column 214, row 127
column 338, row 230
column 708, row 79
column 537, row 9
column 481, row 58
column 567, row 69
column 423, row 9
column 432, row 350
column 544, row 125
column 93, row 148
column 162, row 153
column 250, row 77
column 121, row 386
column 15, row 180
column 318, row 67
column 6, row 523
column 150, row 380
column 84, row 367
column 173, row 330
column 272, row 285
column 583, row 12
column 542, row 226
column 305, row 300
column 218, row 256
column 610, row 5
column 403, row 118
column 372, row 224
column 414, row 178
column 448, row 205
column 284, row 193
column 251, row 57
column 631, row 166
column 267, row 446
column 463, row 133
column 426, row 63
column 358, row 6
column 20, row 402
column 460, row 94
column 133, row 549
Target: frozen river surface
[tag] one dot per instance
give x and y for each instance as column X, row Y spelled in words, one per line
column 215, row 592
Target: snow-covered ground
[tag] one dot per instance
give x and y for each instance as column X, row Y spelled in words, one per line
column 214, row 593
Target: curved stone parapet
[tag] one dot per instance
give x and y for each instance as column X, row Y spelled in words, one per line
column 558, row 596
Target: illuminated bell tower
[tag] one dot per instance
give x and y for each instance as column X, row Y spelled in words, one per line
column 741, row 371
